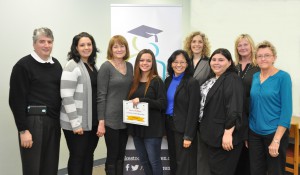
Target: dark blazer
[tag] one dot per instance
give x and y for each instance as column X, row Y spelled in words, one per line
column 222, row 110
column 202, row 72
column 186, row 106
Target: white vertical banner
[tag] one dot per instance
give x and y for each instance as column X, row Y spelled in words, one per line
column 154, row 27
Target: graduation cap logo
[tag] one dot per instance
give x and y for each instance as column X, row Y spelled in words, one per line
column 146, row 32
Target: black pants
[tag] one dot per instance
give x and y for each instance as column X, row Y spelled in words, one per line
column 182, row 160
column 116, row 140
column 42, row 157
column 81, row 149
column 243, row 167
column 261, row 162
column 222, row 162
column 202, row 156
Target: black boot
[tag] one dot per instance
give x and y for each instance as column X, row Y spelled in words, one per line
column 110, row 169
column 120, row 165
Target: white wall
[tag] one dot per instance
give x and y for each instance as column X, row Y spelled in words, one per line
column 66, row 18
column 273, row 20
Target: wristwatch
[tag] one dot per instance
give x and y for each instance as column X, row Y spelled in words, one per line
column 22, row 132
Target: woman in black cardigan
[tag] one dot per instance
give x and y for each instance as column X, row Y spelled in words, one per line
column 148, row 87
column 182, row 114
column 221, row 110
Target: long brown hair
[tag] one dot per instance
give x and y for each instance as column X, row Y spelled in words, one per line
column 138, row 74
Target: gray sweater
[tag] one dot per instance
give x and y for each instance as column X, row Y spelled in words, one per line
column 76, row 94
column 112, row 88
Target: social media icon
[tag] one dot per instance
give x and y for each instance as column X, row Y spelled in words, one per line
column 127, row 167
column 135, row 167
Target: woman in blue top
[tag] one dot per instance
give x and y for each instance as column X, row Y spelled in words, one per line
column 183, row 95
column 270, row 114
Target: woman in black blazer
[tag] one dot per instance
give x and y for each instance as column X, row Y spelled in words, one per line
column 221, row 116
column 182, row 114
column 198, row 47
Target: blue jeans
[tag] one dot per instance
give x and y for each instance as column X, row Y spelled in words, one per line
column 149, row 152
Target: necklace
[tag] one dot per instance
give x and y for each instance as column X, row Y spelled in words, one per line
column 239, row 69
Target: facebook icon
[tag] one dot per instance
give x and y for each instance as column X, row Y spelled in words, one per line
column 127, row 167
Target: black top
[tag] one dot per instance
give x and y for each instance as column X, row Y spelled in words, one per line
column 93, row 75
column 156, row 99
column 34, row 83
column 246, row 76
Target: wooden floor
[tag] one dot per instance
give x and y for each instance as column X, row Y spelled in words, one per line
column 99, row 170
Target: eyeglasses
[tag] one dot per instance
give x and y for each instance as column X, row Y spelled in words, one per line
column 180, row 63
column 267, row 56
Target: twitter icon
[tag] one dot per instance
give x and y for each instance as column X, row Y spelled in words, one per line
column 135, row 167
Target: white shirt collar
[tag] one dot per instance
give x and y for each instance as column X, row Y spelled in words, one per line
column 40, row 60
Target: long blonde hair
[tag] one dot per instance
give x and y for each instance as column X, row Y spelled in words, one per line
column 251, row 42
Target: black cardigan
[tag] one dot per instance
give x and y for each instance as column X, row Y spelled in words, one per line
column 223, row 109
column 156, row 99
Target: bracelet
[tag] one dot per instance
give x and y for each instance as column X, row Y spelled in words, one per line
column 276, row 141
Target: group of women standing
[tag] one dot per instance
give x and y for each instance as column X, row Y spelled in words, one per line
column 203, row 107
column 92, row 103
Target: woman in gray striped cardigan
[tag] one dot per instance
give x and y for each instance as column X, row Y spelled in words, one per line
column 78, row 117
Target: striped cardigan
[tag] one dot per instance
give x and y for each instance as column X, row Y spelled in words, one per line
column 76, row 94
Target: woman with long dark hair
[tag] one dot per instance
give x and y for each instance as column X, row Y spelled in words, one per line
column 148, row 87
column 78, row 118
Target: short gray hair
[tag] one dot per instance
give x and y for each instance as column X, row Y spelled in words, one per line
column 42, row 31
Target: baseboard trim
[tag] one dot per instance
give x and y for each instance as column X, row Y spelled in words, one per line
column 98, row 162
